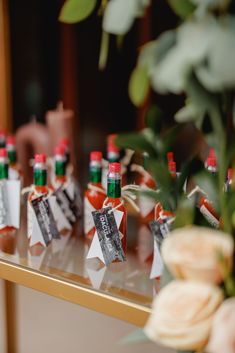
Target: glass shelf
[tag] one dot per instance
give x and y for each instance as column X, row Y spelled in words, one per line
column 122, row 290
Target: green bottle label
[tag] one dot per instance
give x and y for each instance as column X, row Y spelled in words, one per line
column 114, row 188
column 60, row 168
column 95, row 175
column 3, row 171
column 40, row 177
column 12, row 156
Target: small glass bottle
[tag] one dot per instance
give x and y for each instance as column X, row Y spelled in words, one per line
column 4, row 168
column 65, row 143
column 15, row 172
column 60, row 165
column 40, row 187
column 114, row 184
column 39, row 176
column 94, row 195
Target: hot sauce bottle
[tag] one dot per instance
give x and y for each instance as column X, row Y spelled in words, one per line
column 65, row 143
column 4, row 168
column 94, row 195
column 15, row 171
column 40, row 187
column 60, row 166
column 114, row 199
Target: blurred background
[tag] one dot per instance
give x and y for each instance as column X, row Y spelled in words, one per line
column 51, row 61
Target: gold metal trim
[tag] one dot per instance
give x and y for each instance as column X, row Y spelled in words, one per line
column 10, row 312
column 86, row 297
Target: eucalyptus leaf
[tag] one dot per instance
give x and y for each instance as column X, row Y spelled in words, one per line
column 209, row 184
column 189, row 112
column 139, row 85
column 154, row 51
column 160, row 172
column 191, row 48
column 76, row 10
column 182, row 8
column 153, row 119
column 138, row 336
column 120, row 14
column 185, row 213
column 104, row 50
column 219, row 73
column 136, row 141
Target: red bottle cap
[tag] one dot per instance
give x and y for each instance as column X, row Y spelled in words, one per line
column 211, row 162
column 230, row 173
column 11, row 140
column 64, row 142
column 115, row 167
column 111, row 146
column 3, row 152
column 96, row 156
column 40, row 158
column 59, row 150
column 172, row 166
column 170, row 156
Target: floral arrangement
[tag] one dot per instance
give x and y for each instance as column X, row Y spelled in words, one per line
column 195, row 310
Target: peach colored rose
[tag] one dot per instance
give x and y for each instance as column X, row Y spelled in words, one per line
column 222, row 339
column 193, row 253
column 182, row 314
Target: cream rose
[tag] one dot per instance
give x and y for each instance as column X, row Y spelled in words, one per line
column 222, row 337
column 193, row 253
column 182, row 314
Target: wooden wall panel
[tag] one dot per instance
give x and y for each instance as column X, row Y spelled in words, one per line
column 5, row 80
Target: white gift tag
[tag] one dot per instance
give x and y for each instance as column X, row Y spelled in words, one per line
column 157, row 265
column 13, row 174
column 96, row 249
column 13, row 195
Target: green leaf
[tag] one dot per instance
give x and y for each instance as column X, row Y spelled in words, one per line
column 136, row 142
column 153, row 119
column 76, row 10
column 210, row 185
column 104, row 50
column 182, row 8
column 160, row 172
column 164, row 197
column 139, row 85
column 185, row 213
column 138, row 336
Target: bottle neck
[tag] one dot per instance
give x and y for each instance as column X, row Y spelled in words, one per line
column 12, row 156
column 40, row 175
column 114, row 185
column 3, row 170
column 60, row 167
column 95, row 172
column 113, row 157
